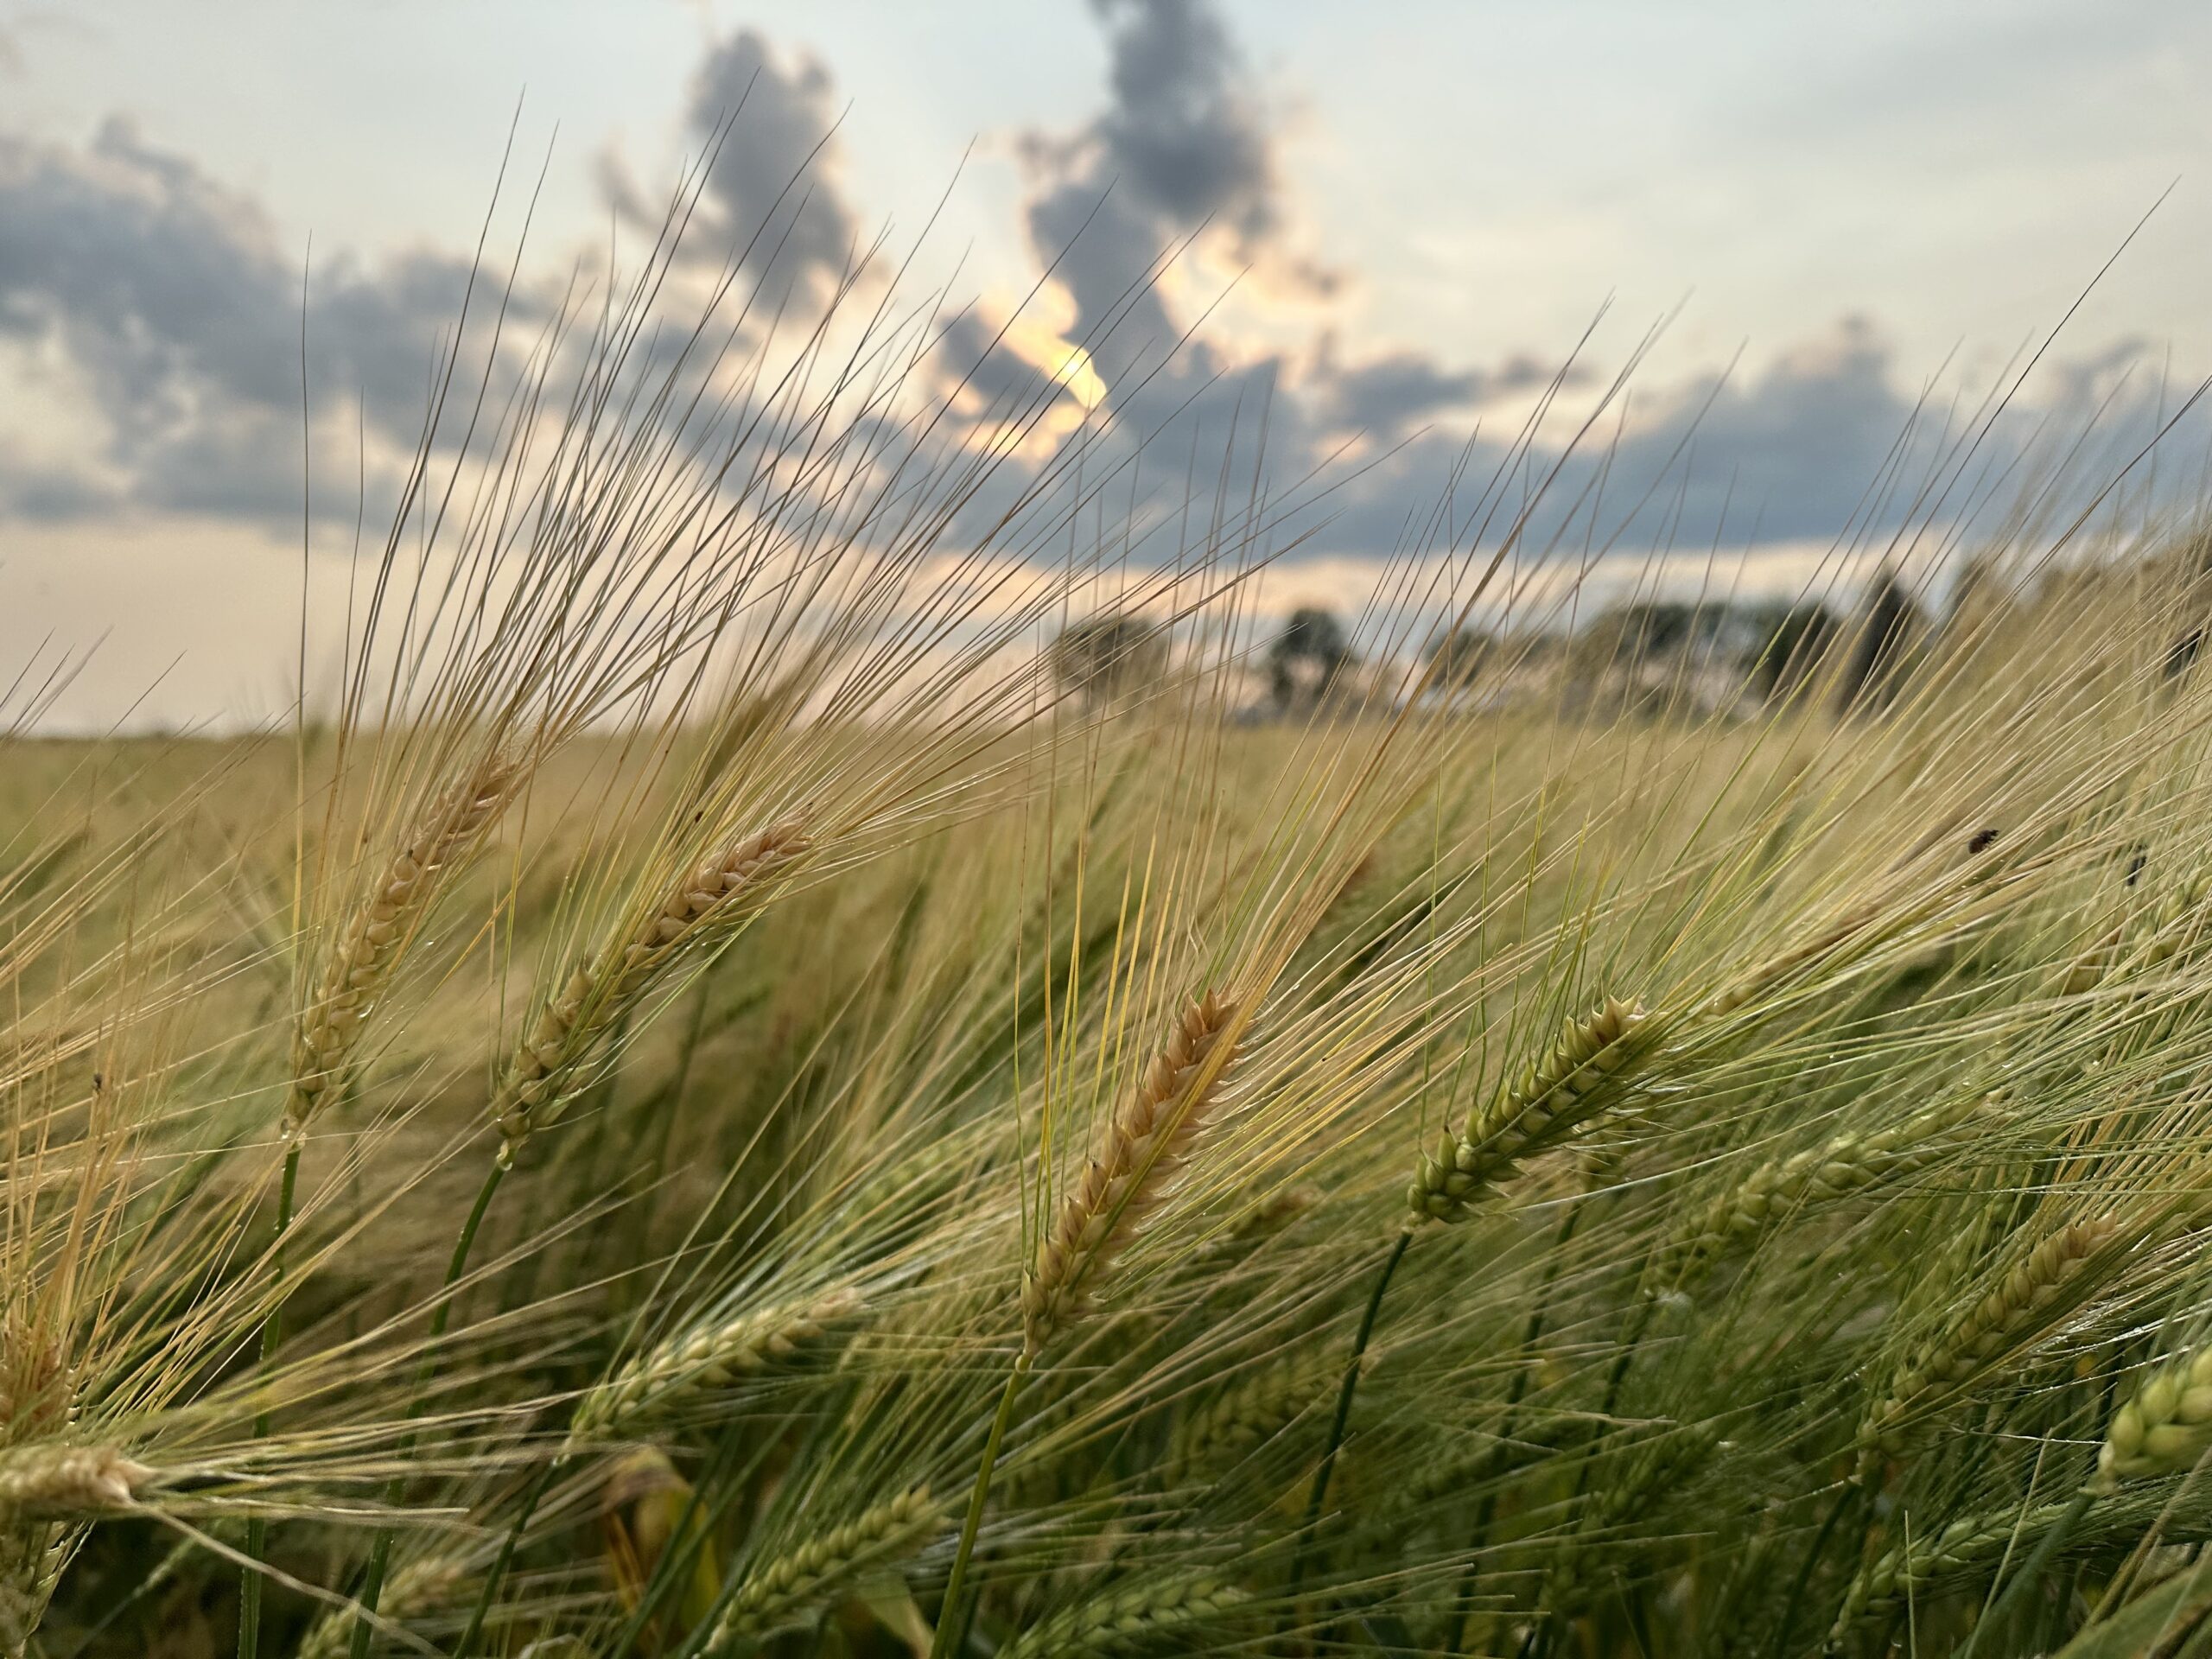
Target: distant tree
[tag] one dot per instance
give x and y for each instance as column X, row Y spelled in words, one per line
column 1798, row 639
column 1308, row 657
column 1664, row 627
column 2181, row 656
column 1104, row 657
column 1888, row 635
column 1458, row 657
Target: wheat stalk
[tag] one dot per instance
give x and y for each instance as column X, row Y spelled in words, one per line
column 1148, row 1141
column 1560, row 1092
column 794, row 1585
column 592, row 998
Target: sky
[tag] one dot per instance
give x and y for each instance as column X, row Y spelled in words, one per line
column 1388, row 225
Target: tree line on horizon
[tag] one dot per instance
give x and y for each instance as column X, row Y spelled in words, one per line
column 1760, row 650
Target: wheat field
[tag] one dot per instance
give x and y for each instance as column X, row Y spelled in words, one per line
column 766, row 1073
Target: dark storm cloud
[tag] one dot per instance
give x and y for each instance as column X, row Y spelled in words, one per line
column 1181, row 133
column 1182, row 146
column 1384, row 397
column 175, row 301
column 1794, row 447
column 771, row 179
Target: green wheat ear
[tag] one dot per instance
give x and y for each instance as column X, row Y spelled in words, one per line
column 1560, row 1092
column 1129, row 1617
column 1969, row 1543
column 1252, row 1411
column 2166, row 1429
column 449, row 826
column 2008, row 1316
column 717, row 1355
column 782, row 1592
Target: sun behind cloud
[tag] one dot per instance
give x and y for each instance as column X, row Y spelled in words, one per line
column 1046, row 350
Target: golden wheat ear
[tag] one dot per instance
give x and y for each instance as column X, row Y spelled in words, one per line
column 1150, row 1136
column 592, row 998
column 450, row 826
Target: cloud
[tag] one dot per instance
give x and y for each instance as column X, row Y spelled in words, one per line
column 773, row 187
column 38, row 491
column 1826, row 441
column 172, row 301
column 1182, row 149
column 1385, row 396
column 1181, row 133
column 175, row 303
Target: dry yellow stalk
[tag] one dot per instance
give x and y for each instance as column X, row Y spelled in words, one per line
column 648, row 1512
column 1150, row 1137
column 570, row 1026
column 361, row 962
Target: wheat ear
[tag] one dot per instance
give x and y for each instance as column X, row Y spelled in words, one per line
column 419, row 1587
column 361, row 963
column 568, row 1026
column 69, row 1482
column 1626, row 1498
column 1997, row 1323
column 792, row 1585
column 712, row 1357
column 2024, row 1538
column 1559, row 1092
column 30, row 1561
column 2166, row 1429
column 1971, row 1541
column 1150, row 1137
column 1806, row 1181
column 1127, row 1617
column 40, row 1488
column 1251, row 1412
